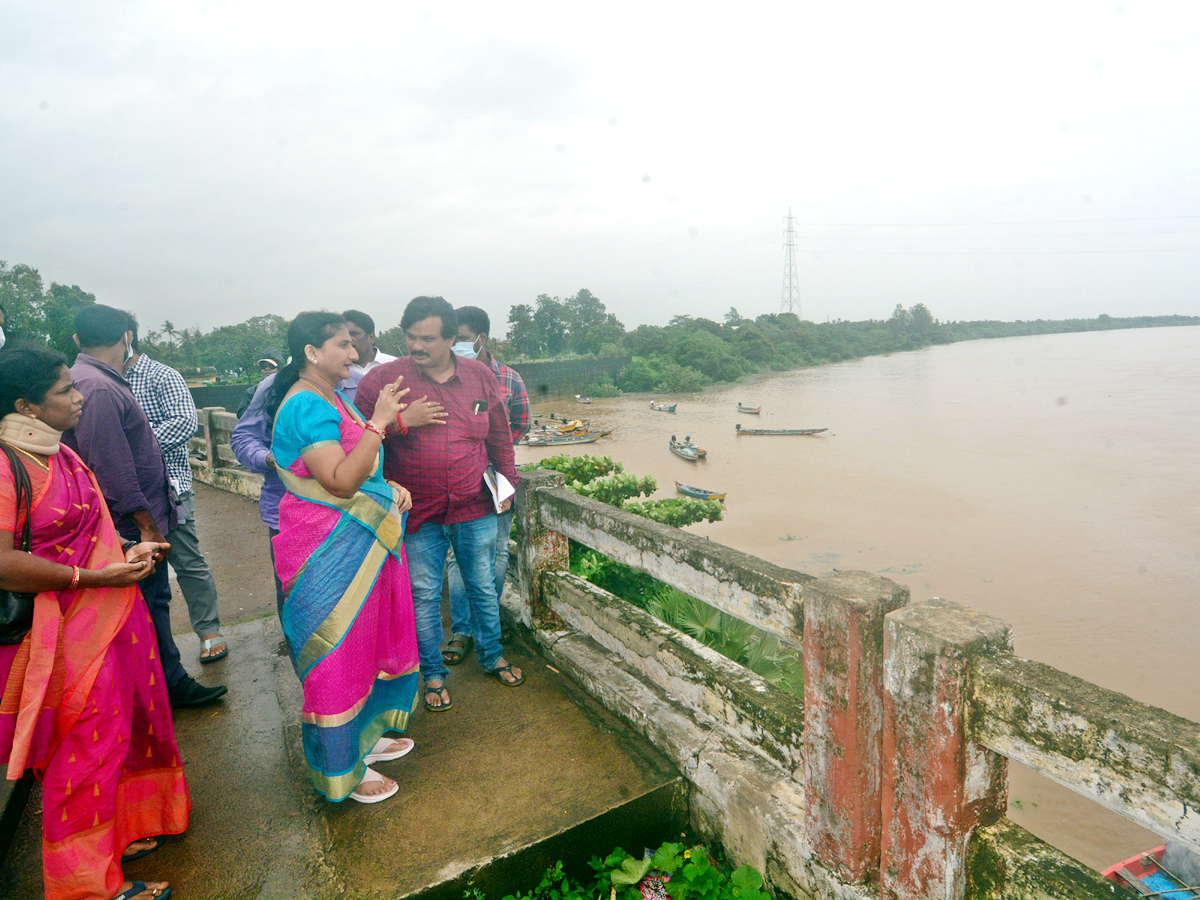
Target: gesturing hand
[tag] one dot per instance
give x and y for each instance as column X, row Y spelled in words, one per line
column 388, row 404
column 423, row 412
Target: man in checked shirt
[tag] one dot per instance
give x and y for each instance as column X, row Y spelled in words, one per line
column 442, row 465
column 164, row 395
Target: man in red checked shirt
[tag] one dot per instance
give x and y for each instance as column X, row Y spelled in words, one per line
column 442, row 464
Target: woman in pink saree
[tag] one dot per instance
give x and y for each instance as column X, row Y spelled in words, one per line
column 348, row 611
column 82, row 697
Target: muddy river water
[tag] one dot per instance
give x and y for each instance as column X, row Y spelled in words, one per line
column 1051, row 481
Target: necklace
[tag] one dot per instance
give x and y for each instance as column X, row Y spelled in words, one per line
column 45, row 467
column 320, row 389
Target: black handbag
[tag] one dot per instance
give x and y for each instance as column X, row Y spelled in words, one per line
column 16, row 609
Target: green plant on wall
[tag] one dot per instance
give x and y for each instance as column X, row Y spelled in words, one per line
column 601, row 478
column 689, row 874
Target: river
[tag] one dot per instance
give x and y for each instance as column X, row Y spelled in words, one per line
column 1052, row 481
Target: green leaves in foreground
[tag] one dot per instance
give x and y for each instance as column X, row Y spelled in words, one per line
column 692, row 874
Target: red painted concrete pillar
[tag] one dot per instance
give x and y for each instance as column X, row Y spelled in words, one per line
column 938, row 786
column 538, row 549
column 843, row 719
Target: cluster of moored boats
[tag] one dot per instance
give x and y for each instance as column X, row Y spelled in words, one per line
column 552, row 430
column 558, row 430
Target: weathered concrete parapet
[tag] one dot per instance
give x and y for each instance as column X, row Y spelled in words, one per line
column 746, row 587
column 213, row 461
column 1139, row 761
column 843, row 719
column 539, row 548
column 938, row 786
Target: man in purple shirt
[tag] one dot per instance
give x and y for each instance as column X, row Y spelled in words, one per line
column 115, row 440
column 251, row 444
column 443, row 466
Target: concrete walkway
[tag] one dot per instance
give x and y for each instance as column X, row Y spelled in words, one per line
column 509, row 780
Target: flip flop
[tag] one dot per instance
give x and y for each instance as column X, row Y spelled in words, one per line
column 379, row 751
column 208, row 644
column 139, row 887
column 442, row 694
column 370, row 776
column 507, row 668
column 452, row 657
column 158, row 842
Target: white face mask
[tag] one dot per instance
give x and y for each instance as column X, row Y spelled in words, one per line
column 465, row 349
column 2, row 337
column 128, row 351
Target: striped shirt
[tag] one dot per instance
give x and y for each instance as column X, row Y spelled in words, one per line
column 165, row 397
column 516, row 399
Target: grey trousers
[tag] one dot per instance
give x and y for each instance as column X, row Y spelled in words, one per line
column 192, row 572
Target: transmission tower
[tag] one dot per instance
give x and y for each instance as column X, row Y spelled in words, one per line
column 790, row 299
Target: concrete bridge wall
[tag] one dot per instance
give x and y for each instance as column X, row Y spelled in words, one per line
column 888, row 779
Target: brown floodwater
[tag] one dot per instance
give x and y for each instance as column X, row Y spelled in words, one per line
column 1051, row 481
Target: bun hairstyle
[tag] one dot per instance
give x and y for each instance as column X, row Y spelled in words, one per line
column 313, row 327
column 27, row 373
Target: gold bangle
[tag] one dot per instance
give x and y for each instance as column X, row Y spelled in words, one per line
column 74, row 579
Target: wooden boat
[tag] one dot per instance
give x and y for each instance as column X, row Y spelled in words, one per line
column 579, row 399
column 662, row 407
column 750, row 410
column 741, row 430
column 589, row 437
column 685, row 449
column 1146, row 875
column 701, row 493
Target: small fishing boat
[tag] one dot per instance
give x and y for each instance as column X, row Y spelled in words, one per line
column 589, row 437
column 685, row 449
column 662, row 407
column 700, row 493
column 579, row 399
column 1147, row 875
column 750, row 410
column 741, row 430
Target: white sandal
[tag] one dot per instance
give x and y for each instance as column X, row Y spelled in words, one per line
column 370, row 776
column 380, row 753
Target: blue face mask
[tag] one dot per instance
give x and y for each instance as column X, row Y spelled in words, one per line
column 465, row 349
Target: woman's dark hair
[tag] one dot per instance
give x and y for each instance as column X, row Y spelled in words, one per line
column 27, row 373
column 313, row 327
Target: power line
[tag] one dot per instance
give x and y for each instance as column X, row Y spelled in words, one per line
column 972, row 224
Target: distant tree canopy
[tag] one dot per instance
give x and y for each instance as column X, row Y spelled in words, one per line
column 685, row 355
column 553, row 327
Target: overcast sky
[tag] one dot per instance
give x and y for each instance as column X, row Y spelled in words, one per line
column 206, row 162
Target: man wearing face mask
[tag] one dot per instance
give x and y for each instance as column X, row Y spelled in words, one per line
column 474, row 327
column 115, row 440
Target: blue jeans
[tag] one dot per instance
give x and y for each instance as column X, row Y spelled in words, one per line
column 460, row 612
column 473, row 544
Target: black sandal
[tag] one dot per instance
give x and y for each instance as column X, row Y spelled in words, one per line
column 517, row 680
column 442, row 694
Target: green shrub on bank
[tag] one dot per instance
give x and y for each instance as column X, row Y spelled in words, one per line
column 689, row 874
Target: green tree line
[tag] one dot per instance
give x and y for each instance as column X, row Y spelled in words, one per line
column 685, row 355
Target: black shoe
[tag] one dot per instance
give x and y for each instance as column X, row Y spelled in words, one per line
column 187, row 691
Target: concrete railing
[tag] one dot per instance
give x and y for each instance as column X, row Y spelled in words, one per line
column 889, row 778
column 212, row 459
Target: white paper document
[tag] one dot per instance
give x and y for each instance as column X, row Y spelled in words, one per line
column 498, row 486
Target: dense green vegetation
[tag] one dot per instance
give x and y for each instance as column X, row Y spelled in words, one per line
column 600, row 478
column 685, row 355
column 689, row 873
